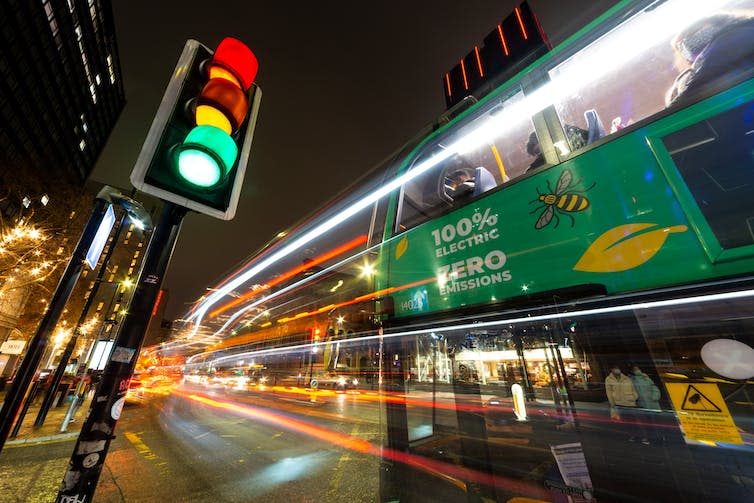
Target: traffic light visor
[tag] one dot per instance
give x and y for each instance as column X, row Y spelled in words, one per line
column 222, row 104
column 234, row 57
column 206, row 156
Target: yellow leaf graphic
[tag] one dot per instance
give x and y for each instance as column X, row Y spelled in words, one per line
column 401, row 248
column 624, row 247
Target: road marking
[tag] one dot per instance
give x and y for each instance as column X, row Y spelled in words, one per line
column 340, row 466
column 140, row 446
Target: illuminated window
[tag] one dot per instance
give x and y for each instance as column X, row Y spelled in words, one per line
column 53, row 24
column 100, row 306
column 111, row 278
column 111, row 69
column 82, row 145
column 462, row 178
column 93, row 14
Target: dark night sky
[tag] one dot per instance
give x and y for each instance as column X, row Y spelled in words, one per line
column 345, row 83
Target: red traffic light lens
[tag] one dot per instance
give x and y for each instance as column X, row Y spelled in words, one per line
column 235, row 57
column 220, row 95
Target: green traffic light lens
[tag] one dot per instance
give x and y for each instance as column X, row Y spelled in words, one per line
column 206, row 156
column 198, row 167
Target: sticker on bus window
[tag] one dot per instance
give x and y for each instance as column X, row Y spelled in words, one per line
column 703, row 414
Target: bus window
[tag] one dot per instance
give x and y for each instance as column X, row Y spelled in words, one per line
column 714, row 159
column 465, row 176
column 647, row 80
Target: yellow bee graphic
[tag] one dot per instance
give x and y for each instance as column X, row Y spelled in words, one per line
column 561, row 200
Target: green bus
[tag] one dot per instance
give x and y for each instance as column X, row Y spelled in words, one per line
column 550, row 287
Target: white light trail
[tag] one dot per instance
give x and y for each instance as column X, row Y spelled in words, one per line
column 603, row 56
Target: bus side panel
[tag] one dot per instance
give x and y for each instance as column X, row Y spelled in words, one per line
column 606, row 217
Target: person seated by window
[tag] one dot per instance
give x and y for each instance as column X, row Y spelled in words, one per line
column 577, row 138
column 534, row 150
column 719, row 45
column 459, row 185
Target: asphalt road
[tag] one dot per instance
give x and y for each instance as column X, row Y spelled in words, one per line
column 204, row 444
column 212, row 443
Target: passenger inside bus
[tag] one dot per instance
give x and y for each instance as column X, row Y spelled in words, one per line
column 461, row 185
column 534, row 150
column 721, row 45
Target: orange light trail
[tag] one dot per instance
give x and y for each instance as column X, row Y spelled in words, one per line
column 502, row 40
column 434, row 467
column 521, row 24
column 256, row 336
column 447, row 84
column 479, row 61
column 362, row 298
column 289, row 274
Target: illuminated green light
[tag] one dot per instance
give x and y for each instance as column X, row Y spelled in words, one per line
column 199, row 168
column 206, row 156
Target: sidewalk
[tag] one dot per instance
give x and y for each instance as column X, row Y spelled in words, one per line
column 50, row 431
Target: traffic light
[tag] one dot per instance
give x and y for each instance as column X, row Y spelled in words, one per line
column 198, row 146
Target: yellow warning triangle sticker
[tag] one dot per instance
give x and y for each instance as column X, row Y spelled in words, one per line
column 696, row 400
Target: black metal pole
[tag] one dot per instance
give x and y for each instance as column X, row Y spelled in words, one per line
column 88, row 456
column 50, row 395
column 49, row 320
column 25, row 408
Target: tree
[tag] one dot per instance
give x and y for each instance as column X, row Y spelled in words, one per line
column 36, row 241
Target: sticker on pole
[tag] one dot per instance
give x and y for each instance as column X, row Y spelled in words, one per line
column 122, row 355
column 703, row 413
column 117, row 408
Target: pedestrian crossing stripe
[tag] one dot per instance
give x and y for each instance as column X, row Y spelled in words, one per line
column 703, row 413
column 695, row 400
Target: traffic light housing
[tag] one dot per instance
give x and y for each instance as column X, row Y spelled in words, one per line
column 198, row 146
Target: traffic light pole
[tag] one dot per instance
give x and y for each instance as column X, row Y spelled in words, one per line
column 88, row 458
column 38, row 343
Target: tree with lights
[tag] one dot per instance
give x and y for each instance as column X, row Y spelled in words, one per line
column 35, row 244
